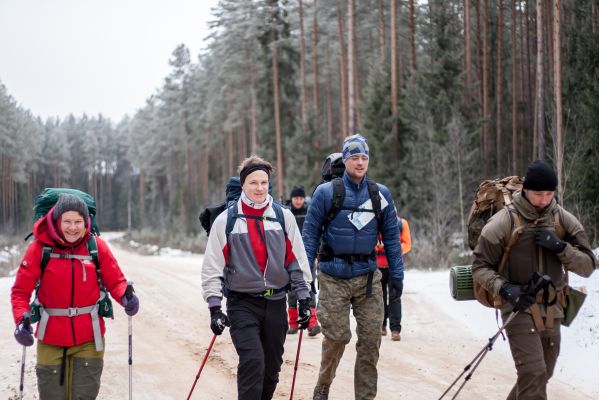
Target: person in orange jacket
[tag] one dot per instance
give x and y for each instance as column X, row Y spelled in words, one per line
column 393, row 307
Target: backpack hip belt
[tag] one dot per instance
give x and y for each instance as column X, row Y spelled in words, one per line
column 71, row 312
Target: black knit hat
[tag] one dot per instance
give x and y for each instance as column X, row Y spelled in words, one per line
column 298, row 191
column 540, row 176
column 68, row 202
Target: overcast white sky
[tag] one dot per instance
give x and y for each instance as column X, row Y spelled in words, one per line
column 94, row 56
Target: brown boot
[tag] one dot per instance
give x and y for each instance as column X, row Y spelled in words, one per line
column 383, row 331
column 395, row 336
column 321, row 392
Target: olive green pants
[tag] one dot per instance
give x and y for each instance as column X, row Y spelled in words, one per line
column 336, row 297
column 83, row 369
column 535, row 354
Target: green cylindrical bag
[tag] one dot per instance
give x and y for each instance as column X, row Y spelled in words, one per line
column 461, row 283
column 105, row 308
column 574, row 300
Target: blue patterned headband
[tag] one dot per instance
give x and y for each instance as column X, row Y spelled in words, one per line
column 355, row 144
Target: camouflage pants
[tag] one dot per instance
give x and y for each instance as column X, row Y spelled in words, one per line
column 535, row 354
column 83, row 369
column 336, row 296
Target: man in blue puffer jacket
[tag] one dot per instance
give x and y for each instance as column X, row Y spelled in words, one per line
column 348, row 275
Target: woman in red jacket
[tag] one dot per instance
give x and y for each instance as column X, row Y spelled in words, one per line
column 70, row 333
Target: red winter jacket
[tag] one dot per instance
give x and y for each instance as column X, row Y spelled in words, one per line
column 65, row 283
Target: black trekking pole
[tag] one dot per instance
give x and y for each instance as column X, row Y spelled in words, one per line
column 296, row 363
column 128, row 296
column 26, row 325
column 202, row 366
column 539, row 282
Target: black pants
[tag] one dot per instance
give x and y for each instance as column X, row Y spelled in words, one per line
column 393, row 307
column 258, row 331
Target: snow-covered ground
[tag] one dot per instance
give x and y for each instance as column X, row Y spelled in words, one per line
column 168, row 282
column 578, row 361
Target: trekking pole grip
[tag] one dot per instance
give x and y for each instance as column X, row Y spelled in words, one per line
column 26, row 320
column 129, row 290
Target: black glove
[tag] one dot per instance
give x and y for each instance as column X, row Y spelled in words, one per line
column 549, row 240
column 518, row 297
column 303, row 313
column 218, row 320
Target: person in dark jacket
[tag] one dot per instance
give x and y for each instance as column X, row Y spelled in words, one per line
column 70, row 347
column 298, row 206
column 348, row 274
column 552, row 242
column 253, row 266
column 392, row 289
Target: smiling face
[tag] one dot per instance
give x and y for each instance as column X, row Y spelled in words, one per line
column 256, row 186
column 356, row 166
column 72, row 226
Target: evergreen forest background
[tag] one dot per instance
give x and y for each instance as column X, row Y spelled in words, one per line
column 448, row 92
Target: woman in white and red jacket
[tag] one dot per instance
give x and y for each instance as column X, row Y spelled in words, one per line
column 254, row 267
column 70, row 334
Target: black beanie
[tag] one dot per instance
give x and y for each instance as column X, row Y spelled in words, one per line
column 540, row 176
column 298, row 191
column 68, row 202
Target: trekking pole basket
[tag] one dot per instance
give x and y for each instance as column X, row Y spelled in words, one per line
column 461, row 283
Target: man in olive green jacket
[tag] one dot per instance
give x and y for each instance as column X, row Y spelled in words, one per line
column 551, row 241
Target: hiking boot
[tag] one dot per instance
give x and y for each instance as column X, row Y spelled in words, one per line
column 313, row 324
column 292, row 321
column 383, row 331
column 395, row 336
column 314, row 331
column 321, row 392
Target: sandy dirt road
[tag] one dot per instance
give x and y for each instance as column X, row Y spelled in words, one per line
column 171, row 335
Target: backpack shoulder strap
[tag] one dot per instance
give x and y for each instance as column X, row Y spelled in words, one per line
column 92, row 248
column 375, row 199
column 559, row 226
column 231, row 217
column 279, row 214
column 46, row 251
column 337, row 199
column 515, row 230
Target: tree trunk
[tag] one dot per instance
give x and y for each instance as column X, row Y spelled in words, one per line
column 382, row 31
column 315, row 65
column 351, row 70
column 303, row 99
column 394, row 77
column 513, row 34
column 499, row 85
column 479, row 52
column 411, row 39
column 343, row 76
column 530, row 83
column 484, row 93
column 142, row 190
column 525, row 108
column 558, row 156
column 540, row 125
column 468, row 61
column 275, row 76
column 329, row 99
column 253, row 111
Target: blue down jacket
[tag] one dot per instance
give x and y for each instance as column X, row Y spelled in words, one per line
column 344, row 238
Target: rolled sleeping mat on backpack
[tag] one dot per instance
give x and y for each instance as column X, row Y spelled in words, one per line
column 461, row 283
